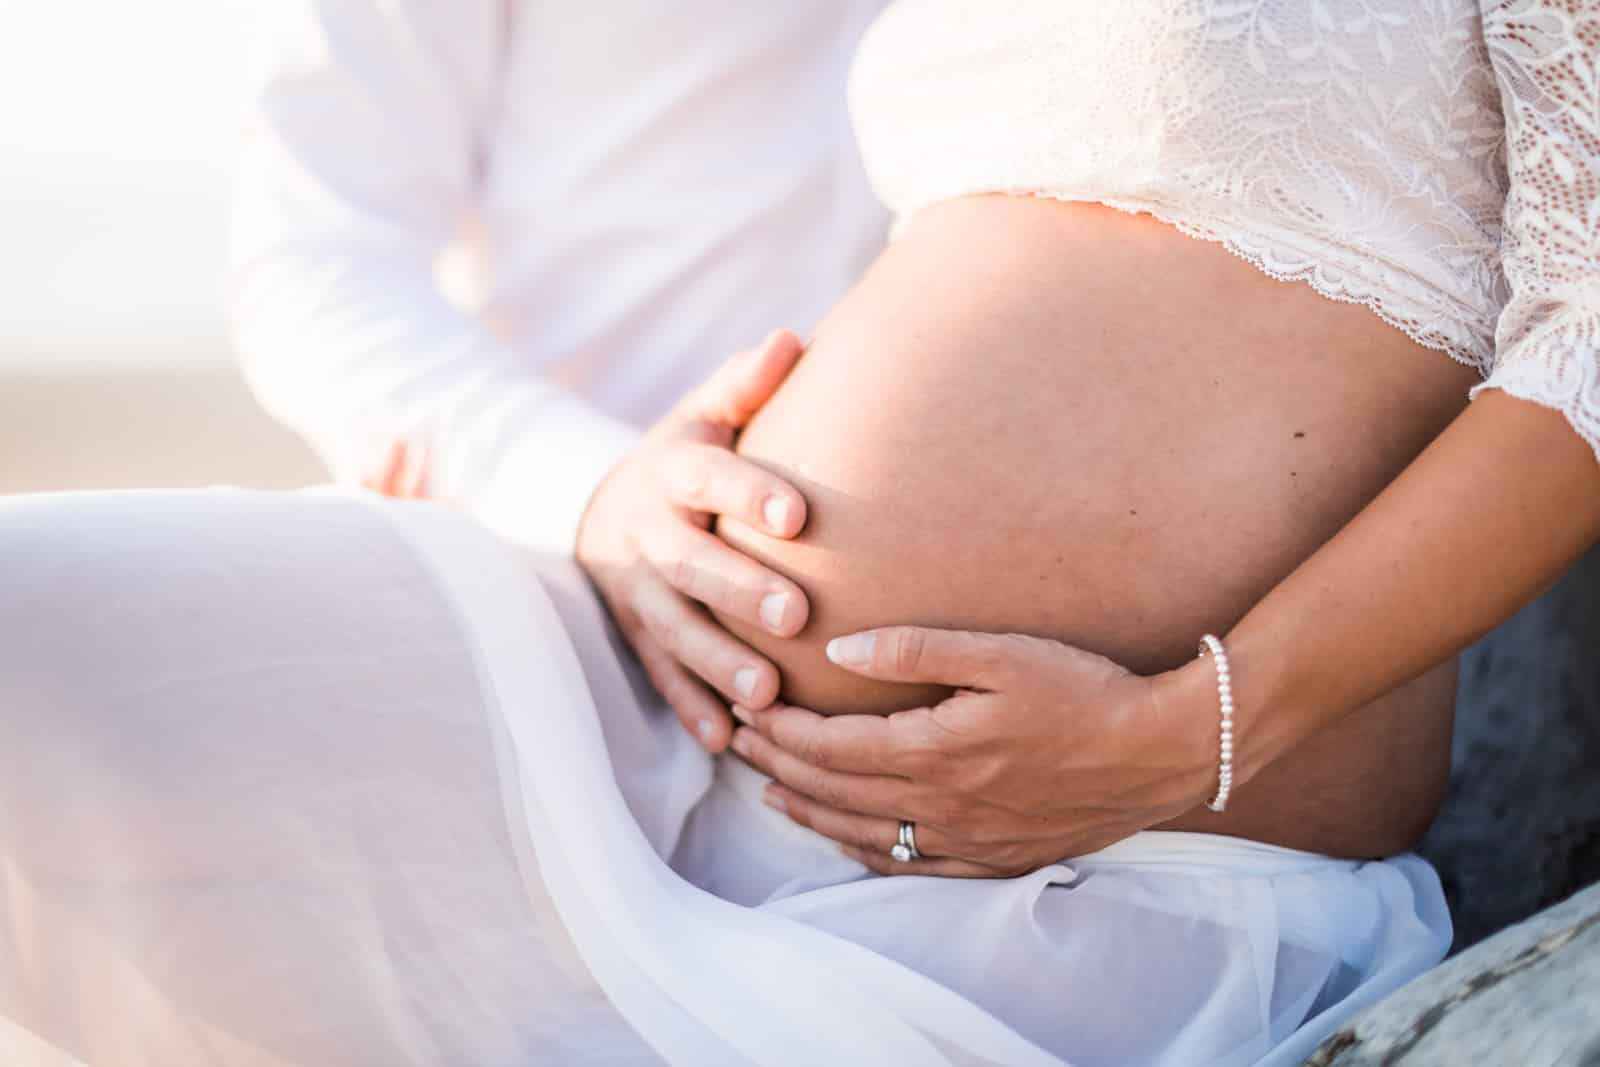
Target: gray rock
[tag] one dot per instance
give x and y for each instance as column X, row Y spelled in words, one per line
column 1528, row 996
column 1520, row 827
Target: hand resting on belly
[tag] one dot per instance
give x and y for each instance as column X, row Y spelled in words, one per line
column 1061, row 420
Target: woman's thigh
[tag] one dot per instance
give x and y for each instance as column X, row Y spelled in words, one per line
column 249, row 805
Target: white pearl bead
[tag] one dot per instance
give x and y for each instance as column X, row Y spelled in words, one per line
column 1209, row 644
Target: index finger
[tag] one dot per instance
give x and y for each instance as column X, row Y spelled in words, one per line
column 957, row 658
column 861, row 744
column 713, row 480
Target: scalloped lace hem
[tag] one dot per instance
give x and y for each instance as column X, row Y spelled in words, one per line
column 1274, row 263
column 1271, row 262
column 1582, row 416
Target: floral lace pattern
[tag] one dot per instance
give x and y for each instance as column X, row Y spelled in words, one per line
column 1546, row 54
column 1435, row 160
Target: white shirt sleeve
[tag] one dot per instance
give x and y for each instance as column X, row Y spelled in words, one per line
column 363, row 155
column 1546, row 56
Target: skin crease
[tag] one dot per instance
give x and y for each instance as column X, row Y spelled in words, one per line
column 1063, row 420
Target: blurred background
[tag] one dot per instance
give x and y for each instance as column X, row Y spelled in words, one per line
column 118, row 129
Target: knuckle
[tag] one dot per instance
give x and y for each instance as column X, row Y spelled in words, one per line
column 755, row 749
column 1014, row 649
column 937, row 766
column 969, row 776
column 680, row 571
column 687, row 476
column 747, row 500
column 907, row 650
column 814, row 752
column 798, row 811
column 947, row 811
column 670, row 686
column 991, row 657
column 652, row 619
column 826, row 788
column 680, row 693
column 1014, row 644
column 914, row 763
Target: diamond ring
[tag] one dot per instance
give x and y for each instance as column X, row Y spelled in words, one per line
column 905, row 850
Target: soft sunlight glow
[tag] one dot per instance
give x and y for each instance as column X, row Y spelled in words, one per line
column 117, row 135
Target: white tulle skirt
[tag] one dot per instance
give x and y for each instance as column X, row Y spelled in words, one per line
column 319, row 779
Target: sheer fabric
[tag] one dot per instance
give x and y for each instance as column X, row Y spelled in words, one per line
column 1435, row 160
column 308, row 779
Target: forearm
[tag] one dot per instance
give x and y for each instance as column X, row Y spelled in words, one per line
column 1490, row 514
column 340, row 215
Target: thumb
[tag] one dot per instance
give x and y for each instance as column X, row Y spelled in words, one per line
column 739, row 388
column 921, row 654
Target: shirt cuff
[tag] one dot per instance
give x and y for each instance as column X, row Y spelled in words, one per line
column 536, row 495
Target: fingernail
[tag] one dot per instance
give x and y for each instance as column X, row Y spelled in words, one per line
column 742, row 713
column 740, row 742
column 744, row 682
column 707, row 730
column 776, row 513
column 852, row 651
column 772, row 800
column 774, row 606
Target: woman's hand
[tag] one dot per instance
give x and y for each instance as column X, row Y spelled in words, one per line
column 645, row 542
column 1044, row 752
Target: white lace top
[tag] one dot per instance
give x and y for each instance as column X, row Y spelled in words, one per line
column 1435, row 160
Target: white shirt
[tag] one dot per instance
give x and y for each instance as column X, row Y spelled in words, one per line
column 517, row 233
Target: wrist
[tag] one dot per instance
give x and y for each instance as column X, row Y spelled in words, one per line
column 1277, row 703
column 1190, row 714
column 584, row 548
column 1192, row 700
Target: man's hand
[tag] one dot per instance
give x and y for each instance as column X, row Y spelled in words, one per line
column 645, row 542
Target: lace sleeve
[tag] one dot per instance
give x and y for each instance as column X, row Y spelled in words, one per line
column 1546, row 56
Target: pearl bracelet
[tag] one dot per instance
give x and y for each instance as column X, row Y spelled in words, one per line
column 1210, row 643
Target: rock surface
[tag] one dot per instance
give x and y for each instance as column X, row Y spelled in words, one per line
column 1528, row 996
column 1520, row 828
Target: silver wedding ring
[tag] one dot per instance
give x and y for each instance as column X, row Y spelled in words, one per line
column 905, row 850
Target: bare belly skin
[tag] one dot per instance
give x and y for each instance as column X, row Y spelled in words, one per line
column 1063, row 420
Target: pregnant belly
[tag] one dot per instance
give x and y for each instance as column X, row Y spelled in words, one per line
column 1063, row 420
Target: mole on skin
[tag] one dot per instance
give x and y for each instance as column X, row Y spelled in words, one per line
column 971, row 452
